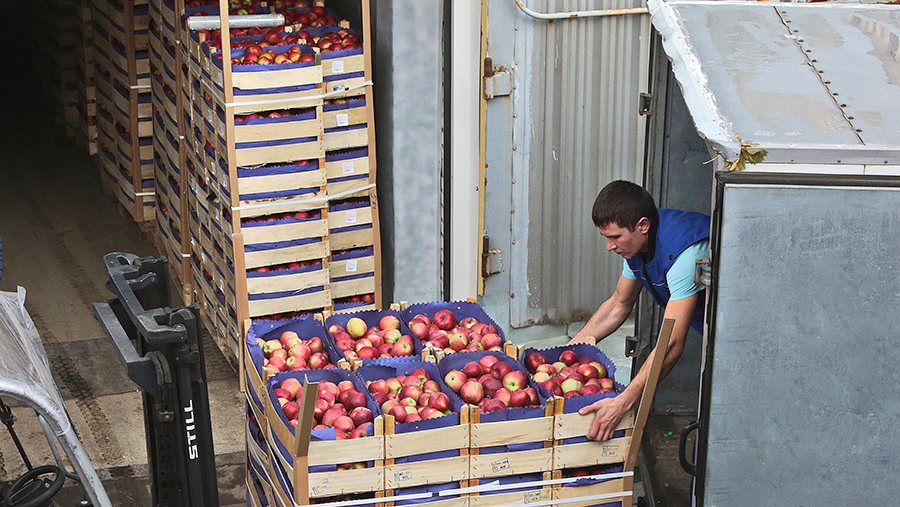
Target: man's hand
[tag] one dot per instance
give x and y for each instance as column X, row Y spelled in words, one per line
column 608, row 413
column 578, row 338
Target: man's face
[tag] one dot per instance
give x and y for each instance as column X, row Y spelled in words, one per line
column 624, row 242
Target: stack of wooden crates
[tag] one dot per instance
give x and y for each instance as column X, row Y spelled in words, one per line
column 122, row 78
column 281, row 211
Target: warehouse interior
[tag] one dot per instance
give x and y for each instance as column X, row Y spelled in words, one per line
column 56, row 223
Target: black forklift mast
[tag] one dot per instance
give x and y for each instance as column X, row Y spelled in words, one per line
column 163, row 355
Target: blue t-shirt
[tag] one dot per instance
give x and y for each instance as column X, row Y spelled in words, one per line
column 680, row 277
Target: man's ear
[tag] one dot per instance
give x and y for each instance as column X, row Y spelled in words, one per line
column 643, row 225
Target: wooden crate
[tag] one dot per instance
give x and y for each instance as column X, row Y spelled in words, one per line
column 288, row 451
column 351, row 225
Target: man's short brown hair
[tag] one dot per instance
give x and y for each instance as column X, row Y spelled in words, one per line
column 623, row 203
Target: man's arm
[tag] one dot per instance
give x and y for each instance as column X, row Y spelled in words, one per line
column 612, row 313
column 609, row 411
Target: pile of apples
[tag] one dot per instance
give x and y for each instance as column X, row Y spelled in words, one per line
column 331, row 41
column 289, row 352
column 571, row 376
column 256, row 55
column 300, row 215
column 446, row 333
column 284, row 267
column 358, row 341
column 492, row 384
column 271, row 114
column 410, row 398
column 339, row 406
column 361, row 298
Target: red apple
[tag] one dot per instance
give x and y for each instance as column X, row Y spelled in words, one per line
column 534, row 360
column 344, row 423
column 519, row 398
column 361, row 416
column 488, row 361
column 569, row 357
column 532, row 396
column 439, row 401
column 445, row 319
column 473, row 370
column 402, row 349
column 455, row 379
column 607, row 383
column 491, row 385
column 503, row 394
column 282, row 393
column 318, row 361
column 491, row 341
column 471, row 392
column 500, row 369
column 355, row 399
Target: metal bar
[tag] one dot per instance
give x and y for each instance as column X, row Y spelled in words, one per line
column 244, row 21
column 579, row 14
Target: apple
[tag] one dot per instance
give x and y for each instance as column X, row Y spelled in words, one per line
column 315, row 345
column 541, row 377
column 471, row 392
column 321, row 407
column 519, row 398
column 282, row 393
column 431, row 385
column 569, row 357
column 500, row 369
column 318, row 361
column 295, row 363
column 279, row 353
column 473, row 369
column 277, row 364
column 607, row 383
column 491, row 385
column 534, row 360
column 346, row 385
column 332, row 414
column 356, row 327
column 570, row 385
column 532, row 396
column 439, row 401
column 515, row 380
column 503, row 394
column 488, row 361
column 458, row 341
column 389, row 322
column 343, row 423
column 444, row 320
column 361, row 416
column 401, row 349
column 455, row 380
column 355, row 399
column 293, row 386
column 492, row 341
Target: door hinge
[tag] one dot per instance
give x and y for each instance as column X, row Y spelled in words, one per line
column 645, row 104
column 487, row 268
column 497, row 82
column 702, row 272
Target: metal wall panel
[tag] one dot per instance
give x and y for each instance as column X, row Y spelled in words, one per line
column 409, row 108
column 575, row 128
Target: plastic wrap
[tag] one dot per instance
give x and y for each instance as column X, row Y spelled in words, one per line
column 24, row 360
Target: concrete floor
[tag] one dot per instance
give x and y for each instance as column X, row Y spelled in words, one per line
column 56, row 225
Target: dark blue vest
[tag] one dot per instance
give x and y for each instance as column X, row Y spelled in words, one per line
column 677, row 230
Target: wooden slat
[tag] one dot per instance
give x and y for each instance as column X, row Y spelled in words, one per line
column 511, row 463
column 419, row 442
column 296, row 281
column 284, row 255
column 275, row 182
column 518, row 497
column 603, row 488
column 577, row 425
column 591, row 453
column 247, row 133
column 438, row 471
column 284, row 232
column 512, row 432
column 315, row 300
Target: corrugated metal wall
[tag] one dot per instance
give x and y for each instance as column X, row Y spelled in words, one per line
column 576, row 128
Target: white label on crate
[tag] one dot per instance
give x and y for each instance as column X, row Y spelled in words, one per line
column 221, row 128
column 402, row 475
column 532, row 496
column 609, row 451
column 347, row 167
column 318, row 489
column 222, row 285
column 343, row 119
column 350, row 217
column 502, row 464
column 352, row 266
column 337, row 67
column 206, row 64
column 203, row 257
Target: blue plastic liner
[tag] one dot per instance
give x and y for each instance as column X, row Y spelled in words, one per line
column 306, row 327
column 355, row 253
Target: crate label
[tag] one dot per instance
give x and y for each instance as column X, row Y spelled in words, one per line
column 347, row 167
column 320, row 488
column 350, row 217
column 532, row 496
column 352, row 266
column 222, row 285
column 609, row 451
column 221, row 128
column 502, row 464
column 337, row 67
column 343, row 119
column 402, row 475
column 206, row 64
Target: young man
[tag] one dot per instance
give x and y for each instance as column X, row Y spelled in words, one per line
column 660, row 247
